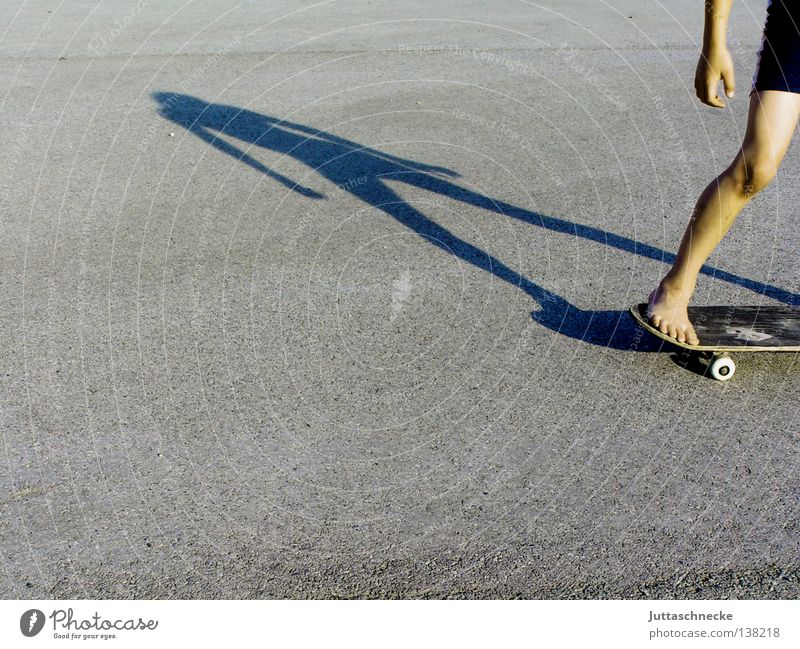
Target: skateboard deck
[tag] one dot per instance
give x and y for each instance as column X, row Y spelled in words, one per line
column 736, row 328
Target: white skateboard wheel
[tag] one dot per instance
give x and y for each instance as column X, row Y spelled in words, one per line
column 722, row 368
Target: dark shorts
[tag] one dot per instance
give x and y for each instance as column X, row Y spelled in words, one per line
column 778, row 66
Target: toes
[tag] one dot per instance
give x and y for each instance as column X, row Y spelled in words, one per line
column 681, row 337
column 656, row 321
column 663, row 327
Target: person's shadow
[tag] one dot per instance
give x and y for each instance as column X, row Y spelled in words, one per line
column 362, row 171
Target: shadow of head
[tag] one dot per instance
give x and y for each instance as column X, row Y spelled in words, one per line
column 327, row 153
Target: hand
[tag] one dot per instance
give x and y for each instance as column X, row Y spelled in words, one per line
column 714, row 64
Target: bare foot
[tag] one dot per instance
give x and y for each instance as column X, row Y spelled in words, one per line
column 666, row 310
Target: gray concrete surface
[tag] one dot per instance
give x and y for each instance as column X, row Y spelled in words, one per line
column 223, row 376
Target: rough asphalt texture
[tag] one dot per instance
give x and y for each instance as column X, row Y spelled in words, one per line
column 327, row 300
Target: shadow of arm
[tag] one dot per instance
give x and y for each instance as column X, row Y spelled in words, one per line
column 335, row 139
column 221, row 145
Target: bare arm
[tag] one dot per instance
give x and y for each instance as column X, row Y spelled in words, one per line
column 715, row 61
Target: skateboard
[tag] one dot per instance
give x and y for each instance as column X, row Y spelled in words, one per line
column 723, row 330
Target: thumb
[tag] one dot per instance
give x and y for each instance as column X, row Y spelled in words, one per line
column 729, row 82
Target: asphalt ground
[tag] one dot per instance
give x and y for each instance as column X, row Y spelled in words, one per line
column 328, row 300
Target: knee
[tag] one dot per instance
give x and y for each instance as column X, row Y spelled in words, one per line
column 751, row 176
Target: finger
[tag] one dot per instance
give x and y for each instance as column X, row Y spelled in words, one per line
column 729, row 81
column 711, row 95
column 701, row 90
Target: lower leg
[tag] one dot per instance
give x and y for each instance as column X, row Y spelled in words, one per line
column 715, row 212
column 771, row 122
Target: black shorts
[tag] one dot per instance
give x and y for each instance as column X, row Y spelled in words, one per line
column 778, row 66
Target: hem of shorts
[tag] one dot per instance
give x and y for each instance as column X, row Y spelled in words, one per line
column 770, row 86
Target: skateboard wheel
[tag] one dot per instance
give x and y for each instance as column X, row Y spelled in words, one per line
column 722, row 368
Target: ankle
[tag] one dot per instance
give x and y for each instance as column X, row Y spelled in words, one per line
column 677, row 284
